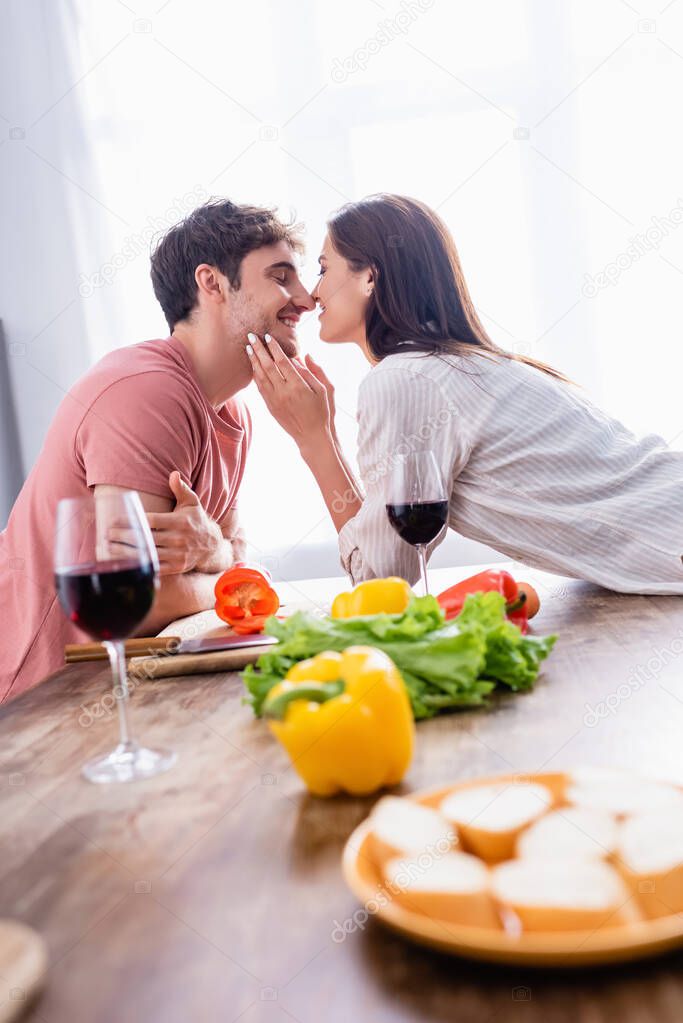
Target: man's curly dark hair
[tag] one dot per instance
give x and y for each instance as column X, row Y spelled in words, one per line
column 220, row 233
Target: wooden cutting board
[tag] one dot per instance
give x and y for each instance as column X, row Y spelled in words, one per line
column 23, row 962
column 164, row 665
column 204, row 624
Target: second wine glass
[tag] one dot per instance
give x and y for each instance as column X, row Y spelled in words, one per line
column 106, row 589
column 418, row 503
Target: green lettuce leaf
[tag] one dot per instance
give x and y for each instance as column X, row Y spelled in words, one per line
column 511, row 658
column 444, row 664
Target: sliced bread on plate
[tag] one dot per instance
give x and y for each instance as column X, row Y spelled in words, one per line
column 560, row 895
column 453, row 887
column 649, row 854
column 403, row 828
column 621, row 793
column 573, row 831
column 489, row 818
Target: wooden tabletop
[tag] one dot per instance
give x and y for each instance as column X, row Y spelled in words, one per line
column 214, row 891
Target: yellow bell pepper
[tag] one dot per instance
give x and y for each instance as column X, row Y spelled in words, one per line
column 376, row 596
column 345, row 721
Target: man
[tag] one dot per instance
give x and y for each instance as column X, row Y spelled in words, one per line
column 160, row 417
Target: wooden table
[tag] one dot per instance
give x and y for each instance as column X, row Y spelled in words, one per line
column 213, row 892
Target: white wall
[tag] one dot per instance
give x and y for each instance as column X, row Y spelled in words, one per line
column 545, row 134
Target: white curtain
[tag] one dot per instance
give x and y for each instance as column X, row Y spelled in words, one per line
column 50, row 220
column 545, row 134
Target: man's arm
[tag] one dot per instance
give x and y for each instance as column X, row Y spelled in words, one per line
column 233, row 534
column 184, row 594
column 180, row 593
column 177, row 597
column 186, row 538
column 227, row 545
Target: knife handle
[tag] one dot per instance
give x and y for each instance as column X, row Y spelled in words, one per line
column 74, row 652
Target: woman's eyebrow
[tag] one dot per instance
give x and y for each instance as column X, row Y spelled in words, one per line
column 322, row 259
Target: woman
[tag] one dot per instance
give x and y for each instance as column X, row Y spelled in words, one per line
column 533, row 469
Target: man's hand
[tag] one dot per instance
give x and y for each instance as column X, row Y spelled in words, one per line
column 186, row 538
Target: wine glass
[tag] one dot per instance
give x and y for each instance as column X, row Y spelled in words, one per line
column 418, row 503
column 107, row 588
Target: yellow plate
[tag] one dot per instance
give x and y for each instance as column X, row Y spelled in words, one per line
column 552, row 948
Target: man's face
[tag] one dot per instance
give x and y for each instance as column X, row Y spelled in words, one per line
column 271, row 298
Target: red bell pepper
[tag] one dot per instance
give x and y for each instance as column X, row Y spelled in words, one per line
column 245, row 598
column 518, row 613
column 248, row 626
column 453, row 599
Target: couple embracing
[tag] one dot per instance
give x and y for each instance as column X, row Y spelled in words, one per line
column 532, row 468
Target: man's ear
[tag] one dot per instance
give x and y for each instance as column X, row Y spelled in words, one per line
column 209, row 283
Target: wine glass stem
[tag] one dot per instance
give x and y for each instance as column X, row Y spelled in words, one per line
column 117, row 659
column 422, row 553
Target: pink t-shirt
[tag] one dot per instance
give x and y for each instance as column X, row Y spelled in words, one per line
column 137, row 415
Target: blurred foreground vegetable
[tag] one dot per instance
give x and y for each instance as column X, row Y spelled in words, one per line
column 345, row 720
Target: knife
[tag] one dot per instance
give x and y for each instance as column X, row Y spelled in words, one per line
column 172, row 645
column 203, row 644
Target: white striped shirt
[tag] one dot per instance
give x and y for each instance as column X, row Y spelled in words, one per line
column 535, row 471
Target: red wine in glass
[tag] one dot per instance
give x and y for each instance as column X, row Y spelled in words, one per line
column 107, row 599
column 417, row 505
column 419, row 522
column 106, row 585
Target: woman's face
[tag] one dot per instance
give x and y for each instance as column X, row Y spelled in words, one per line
column 343, row 296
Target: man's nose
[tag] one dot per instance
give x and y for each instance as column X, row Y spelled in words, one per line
column 303, row 300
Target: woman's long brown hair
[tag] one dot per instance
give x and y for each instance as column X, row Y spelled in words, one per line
column 420, row 301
